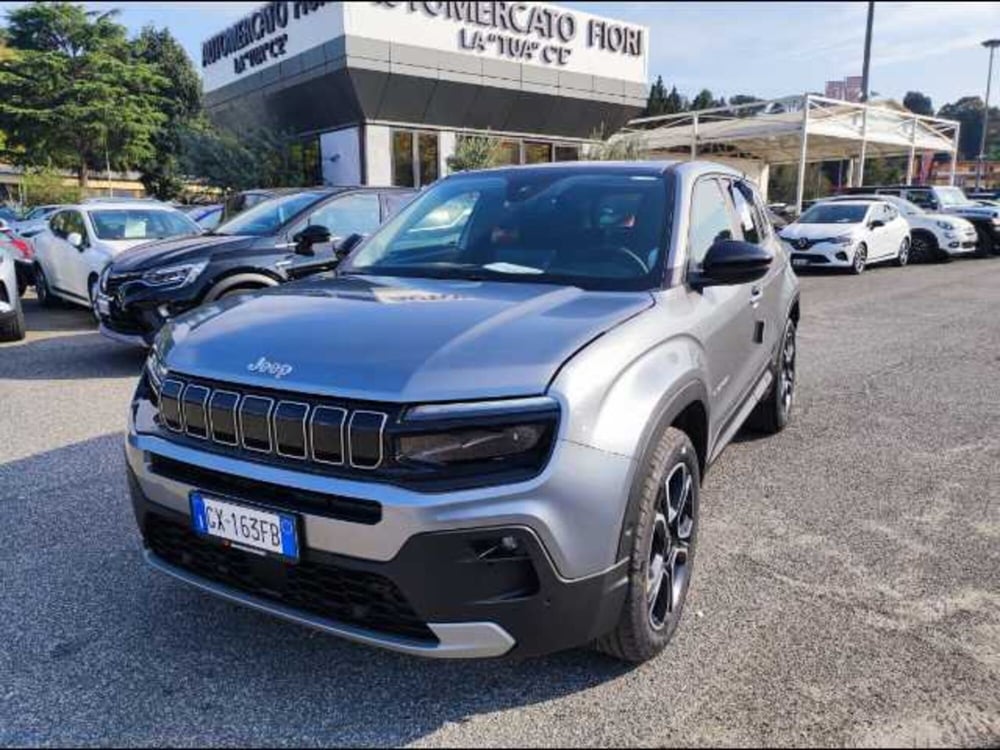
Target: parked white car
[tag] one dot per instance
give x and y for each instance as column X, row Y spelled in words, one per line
column 11, row 316
column 933, row 236
column 81, row 240
column 848, row 234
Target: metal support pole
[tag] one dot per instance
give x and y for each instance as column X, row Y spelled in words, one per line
column 954, row 155
column 864, row 149
column 913, row 152
column 981, row 162
column 694, row 138
column 800, row 184
column 868, row 52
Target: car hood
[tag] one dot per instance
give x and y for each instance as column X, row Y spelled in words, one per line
column 817, row 231
column 397, row 340
column 160, row 253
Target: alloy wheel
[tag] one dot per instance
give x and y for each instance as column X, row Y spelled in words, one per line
column 41, row 285
column 93, row 301
column 787, row 375
column 860, row 259
column 669, row 568
column 904, row 252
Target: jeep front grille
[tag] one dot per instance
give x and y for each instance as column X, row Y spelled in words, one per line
column 273, row 425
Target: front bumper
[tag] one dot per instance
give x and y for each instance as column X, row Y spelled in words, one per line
column 822, row 256
column 562, row 589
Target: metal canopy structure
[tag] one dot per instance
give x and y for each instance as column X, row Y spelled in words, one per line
column 797, row 130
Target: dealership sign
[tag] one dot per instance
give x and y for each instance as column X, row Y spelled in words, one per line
column 531, row 33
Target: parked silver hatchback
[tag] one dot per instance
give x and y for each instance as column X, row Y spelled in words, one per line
column 485, row 433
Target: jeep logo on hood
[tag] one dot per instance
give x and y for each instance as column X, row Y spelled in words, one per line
column 266, row 367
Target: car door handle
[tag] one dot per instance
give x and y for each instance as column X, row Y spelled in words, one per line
column 755, row 294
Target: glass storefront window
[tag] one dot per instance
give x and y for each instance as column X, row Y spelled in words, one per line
column 537, row 153
column 427, row 153
column 509, row 153
column 414, row 158
column 567, row 153
column 402, row 158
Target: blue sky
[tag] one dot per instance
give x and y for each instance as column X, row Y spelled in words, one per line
column 767, row 49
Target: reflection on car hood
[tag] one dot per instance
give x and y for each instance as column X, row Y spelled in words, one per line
column 160, row 253
column 397, row 339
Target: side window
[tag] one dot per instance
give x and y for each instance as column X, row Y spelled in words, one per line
column 890, row 213
column 395, row 201
column 922, row 198
column 356, row 213
column 710, row 220
column 747, row 214
column 74, row 223
column 56, row 225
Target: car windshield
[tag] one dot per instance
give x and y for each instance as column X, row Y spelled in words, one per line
column 834, row 213
column 951, row 196
column 140, row 224
column 42, row 212
column 596, row 230
column 268, row 217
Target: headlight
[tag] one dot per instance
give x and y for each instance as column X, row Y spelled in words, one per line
column 155, row 369
column 478, row 438
column 462, row 446
column 175, row 275
column 844, row 239
column 945, row 225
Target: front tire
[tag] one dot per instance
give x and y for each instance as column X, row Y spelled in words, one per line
column 12, row 329
column 662, row 556
column 93, row 290
column 42, row 290
column 860, row 260
column 904, row 253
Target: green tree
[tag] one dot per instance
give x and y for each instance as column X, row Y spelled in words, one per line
column 72, row 95
column 676, row 102
column 918, row 103
column 161, row 174
column 969, row 112
column 475, row 152
column 656, row 102
column 257, row 158
column 46, row 186
column 704, row 100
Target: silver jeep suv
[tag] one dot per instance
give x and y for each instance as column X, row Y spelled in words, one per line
column 485, row 432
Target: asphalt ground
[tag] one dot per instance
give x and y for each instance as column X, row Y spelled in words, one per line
column 846, row 591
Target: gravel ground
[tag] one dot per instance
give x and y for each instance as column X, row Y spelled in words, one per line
column 847, row 589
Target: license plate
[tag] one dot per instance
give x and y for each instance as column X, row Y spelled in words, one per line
column 103, row 308
column 253, row 528
column 800, row 262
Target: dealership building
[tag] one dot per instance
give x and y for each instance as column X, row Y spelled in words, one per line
column 381, row 93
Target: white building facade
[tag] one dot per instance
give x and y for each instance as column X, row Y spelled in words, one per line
column 380, row 93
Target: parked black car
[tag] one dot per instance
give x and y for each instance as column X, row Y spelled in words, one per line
column 237, row 203
column 270, row 243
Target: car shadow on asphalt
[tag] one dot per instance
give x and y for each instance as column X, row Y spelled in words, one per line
column 228, row 671
column 72, row 356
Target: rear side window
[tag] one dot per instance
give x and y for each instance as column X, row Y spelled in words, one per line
column 710, row 220
column 352, row 214
column 395, row 201
column 923, row 198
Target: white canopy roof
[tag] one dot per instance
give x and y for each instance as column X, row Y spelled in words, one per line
column 797, row 129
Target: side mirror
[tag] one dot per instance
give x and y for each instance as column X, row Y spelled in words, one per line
column 351, row 241
column 876, row 223
column 75, row 240
column 731, row 262
column 311, row 235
